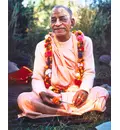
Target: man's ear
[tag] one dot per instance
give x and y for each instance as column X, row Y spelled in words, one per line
column 72, row 22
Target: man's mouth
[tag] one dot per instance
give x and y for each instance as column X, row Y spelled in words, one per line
column 59, row 30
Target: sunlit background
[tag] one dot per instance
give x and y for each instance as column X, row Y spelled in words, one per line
column 78, row 2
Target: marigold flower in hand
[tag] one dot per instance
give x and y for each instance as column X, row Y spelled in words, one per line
column 56, row 100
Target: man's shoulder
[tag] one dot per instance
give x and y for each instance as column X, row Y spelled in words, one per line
column 40, row 44
column 40, row 47
column 87, row 40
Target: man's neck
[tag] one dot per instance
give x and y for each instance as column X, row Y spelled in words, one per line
column 63, row 39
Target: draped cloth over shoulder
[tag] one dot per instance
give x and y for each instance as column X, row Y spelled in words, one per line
column 64, row 63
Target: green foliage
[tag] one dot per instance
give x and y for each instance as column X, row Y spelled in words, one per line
column 24, row 32
column 100, row 33
column 95, row 21
column 17, row 25
column 85, row 19
column 101, row 28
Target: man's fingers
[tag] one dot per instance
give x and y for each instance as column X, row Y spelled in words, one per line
column 74, row 98
column 43, row 95
column 77, row 98
column 48, row 101
column 79, row 102
column 80, row 97
column 49, row 95
column 46, row 98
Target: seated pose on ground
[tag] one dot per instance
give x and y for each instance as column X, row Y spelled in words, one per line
column 63, row 73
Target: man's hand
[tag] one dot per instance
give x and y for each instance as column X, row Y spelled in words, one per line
column 80, row 97
column 46, row 98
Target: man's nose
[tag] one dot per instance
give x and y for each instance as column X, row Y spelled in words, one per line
column 58, row 22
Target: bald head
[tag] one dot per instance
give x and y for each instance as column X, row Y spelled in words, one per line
column 66, row 8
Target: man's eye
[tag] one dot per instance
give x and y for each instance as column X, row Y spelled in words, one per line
column 53, row 20
column 63, row 19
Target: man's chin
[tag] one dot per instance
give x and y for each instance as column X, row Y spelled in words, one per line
column 60, row 34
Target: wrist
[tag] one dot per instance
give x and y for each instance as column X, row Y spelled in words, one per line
column 84, row 89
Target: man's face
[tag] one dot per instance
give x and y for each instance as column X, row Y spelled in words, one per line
column 60, row 22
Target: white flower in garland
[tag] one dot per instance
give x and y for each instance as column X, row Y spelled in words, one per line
column 48, row 72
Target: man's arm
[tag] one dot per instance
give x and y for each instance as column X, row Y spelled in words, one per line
column 89, row 66
column 89, row 74
column 38, row 85
column 38, row 69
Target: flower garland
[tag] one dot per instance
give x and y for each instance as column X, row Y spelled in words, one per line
column 80, row 71
column 48, row 59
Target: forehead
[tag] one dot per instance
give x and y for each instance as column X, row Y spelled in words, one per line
column 59, row 12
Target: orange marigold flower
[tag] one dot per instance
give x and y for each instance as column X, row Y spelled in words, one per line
column 56, row 100
column 46, row 67
column 79, row 32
